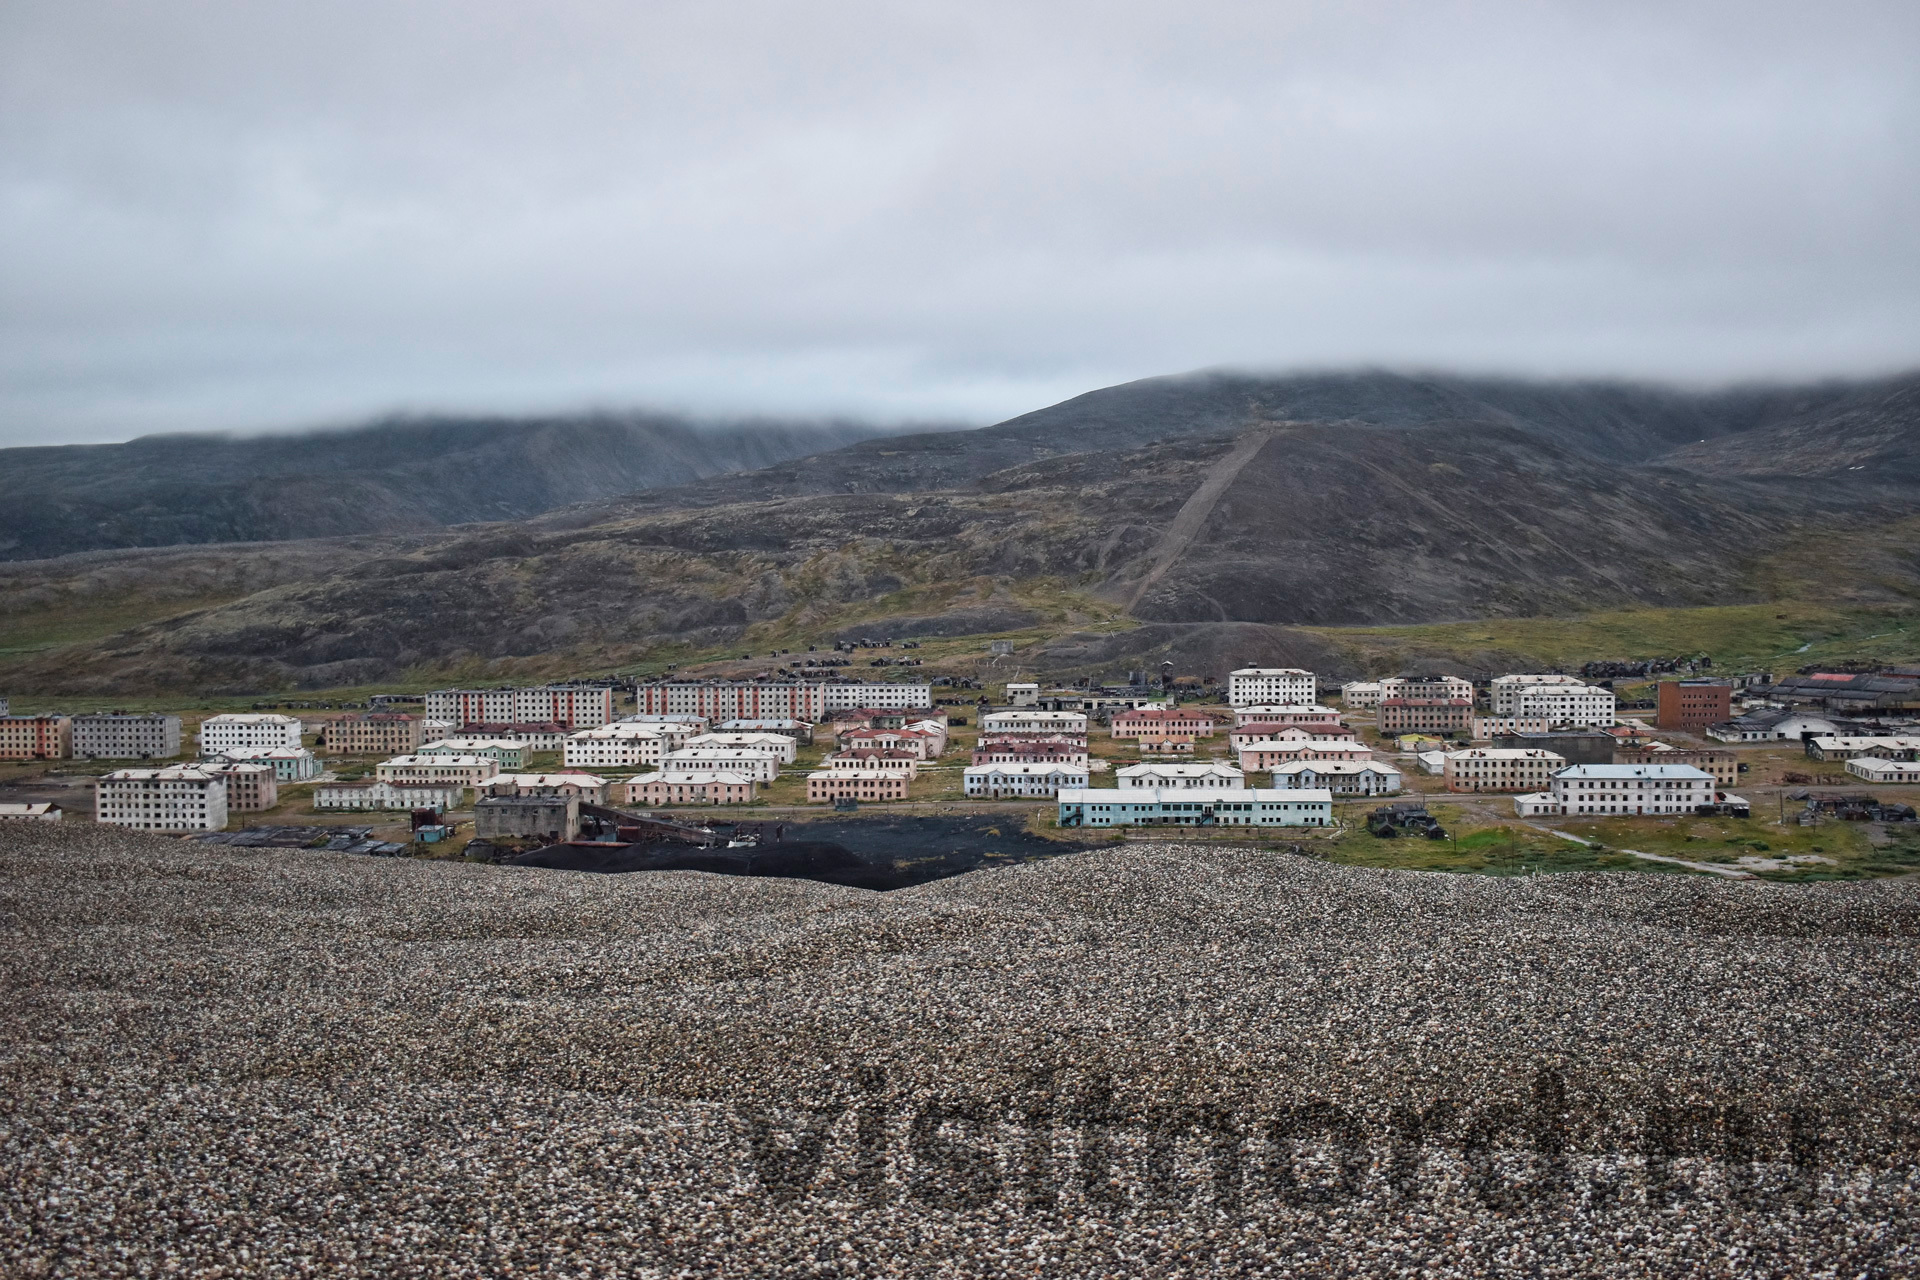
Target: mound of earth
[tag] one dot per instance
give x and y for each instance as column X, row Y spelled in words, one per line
column 1156, row 1060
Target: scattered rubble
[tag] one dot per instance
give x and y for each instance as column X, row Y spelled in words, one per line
column 1149, row 1060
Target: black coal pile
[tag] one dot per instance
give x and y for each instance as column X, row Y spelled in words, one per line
column 1159, row 1060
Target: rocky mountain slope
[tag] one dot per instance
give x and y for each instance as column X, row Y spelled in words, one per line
column 1226, row 532
column 390, row 477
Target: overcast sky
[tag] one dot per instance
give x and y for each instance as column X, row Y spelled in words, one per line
column 269, row 214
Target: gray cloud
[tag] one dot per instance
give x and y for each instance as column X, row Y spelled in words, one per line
column 244, row 215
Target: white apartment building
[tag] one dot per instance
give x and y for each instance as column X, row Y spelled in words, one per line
column 1254, row 686
column 618, row 746
column 1425, row 687
column 576, row 706
column 117, row 735
column 461, row 771
column 1179, row 806
column 1360, row 695
column 369, row 796
column 1503, row 695
column 736, row 700
column 1502, row 769
column 508, row 753
column 879, row 694
column 1582, row 706
column 761, row 766
column 1341, row 777
column 992, row 781
column 1212, row 775
column 1590, row 789
column 778, row 745
column 237, row 732
column 1304, row 714
column 176, row 798
column 1030, row 720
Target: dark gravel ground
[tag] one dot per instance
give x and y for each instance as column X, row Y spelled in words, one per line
column 1152, row 1061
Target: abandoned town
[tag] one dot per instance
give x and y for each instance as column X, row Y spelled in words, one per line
column 959, row 642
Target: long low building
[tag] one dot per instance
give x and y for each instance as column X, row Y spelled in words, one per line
column 509, row 753
column 1281, row 714
column 1273, row 755
column 689, row 788
column 1027, row 781
column 37, row 811
column 1026, row 720
column 1501, row 769
column 778, row 745
column 761, row 766
column 1214, row 775
column 1874, row 769
column 464, row 771
column 589, row 787
column 1179, row 806
column 1342, row 777
column 369, row 796
column 1850, row 748
column 854, row 784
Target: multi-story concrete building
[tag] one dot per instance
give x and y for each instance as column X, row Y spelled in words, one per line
column 736, row 700
column 1153, row 723
column 1023, row 694
column 1260, row 735
column 681, row 722
column 1693, row 704
column 1267, row 686
column 1025, row 720
column 824, row 785
column 459, row 771
column 289, row 764
column 1503, row 695
column 1494, row 769
column 374, row 796
column 994, row 781
column 251, row 788
column 36, row 738
column 1723, row 765
column 1426, row 686
column 381, row 733
column 120, row 735
column 509, row 753
column 236, row 732
column 176, row 798
column 1360, row 695
column 1488, row 727
column 842, row 694
column 1579, row 705
column 1179, row 806
column 617, row 746
column 1341, row 777
column 588, row 788
column 1585, row 790
column 526, row 817
column 761, row 766
column 1426, row 715
column 575, row 706
column 1212, row 775
column 690, row 788
column 778, row 745
column 542, row 735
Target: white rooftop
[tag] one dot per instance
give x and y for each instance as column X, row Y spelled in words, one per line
column 1608, row 772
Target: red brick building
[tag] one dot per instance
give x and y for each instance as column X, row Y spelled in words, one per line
column 1693, row 704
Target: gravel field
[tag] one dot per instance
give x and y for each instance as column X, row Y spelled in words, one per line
column 1150, row 1061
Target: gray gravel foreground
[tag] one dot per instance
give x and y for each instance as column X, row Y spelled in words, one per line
column 1150, row 1061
